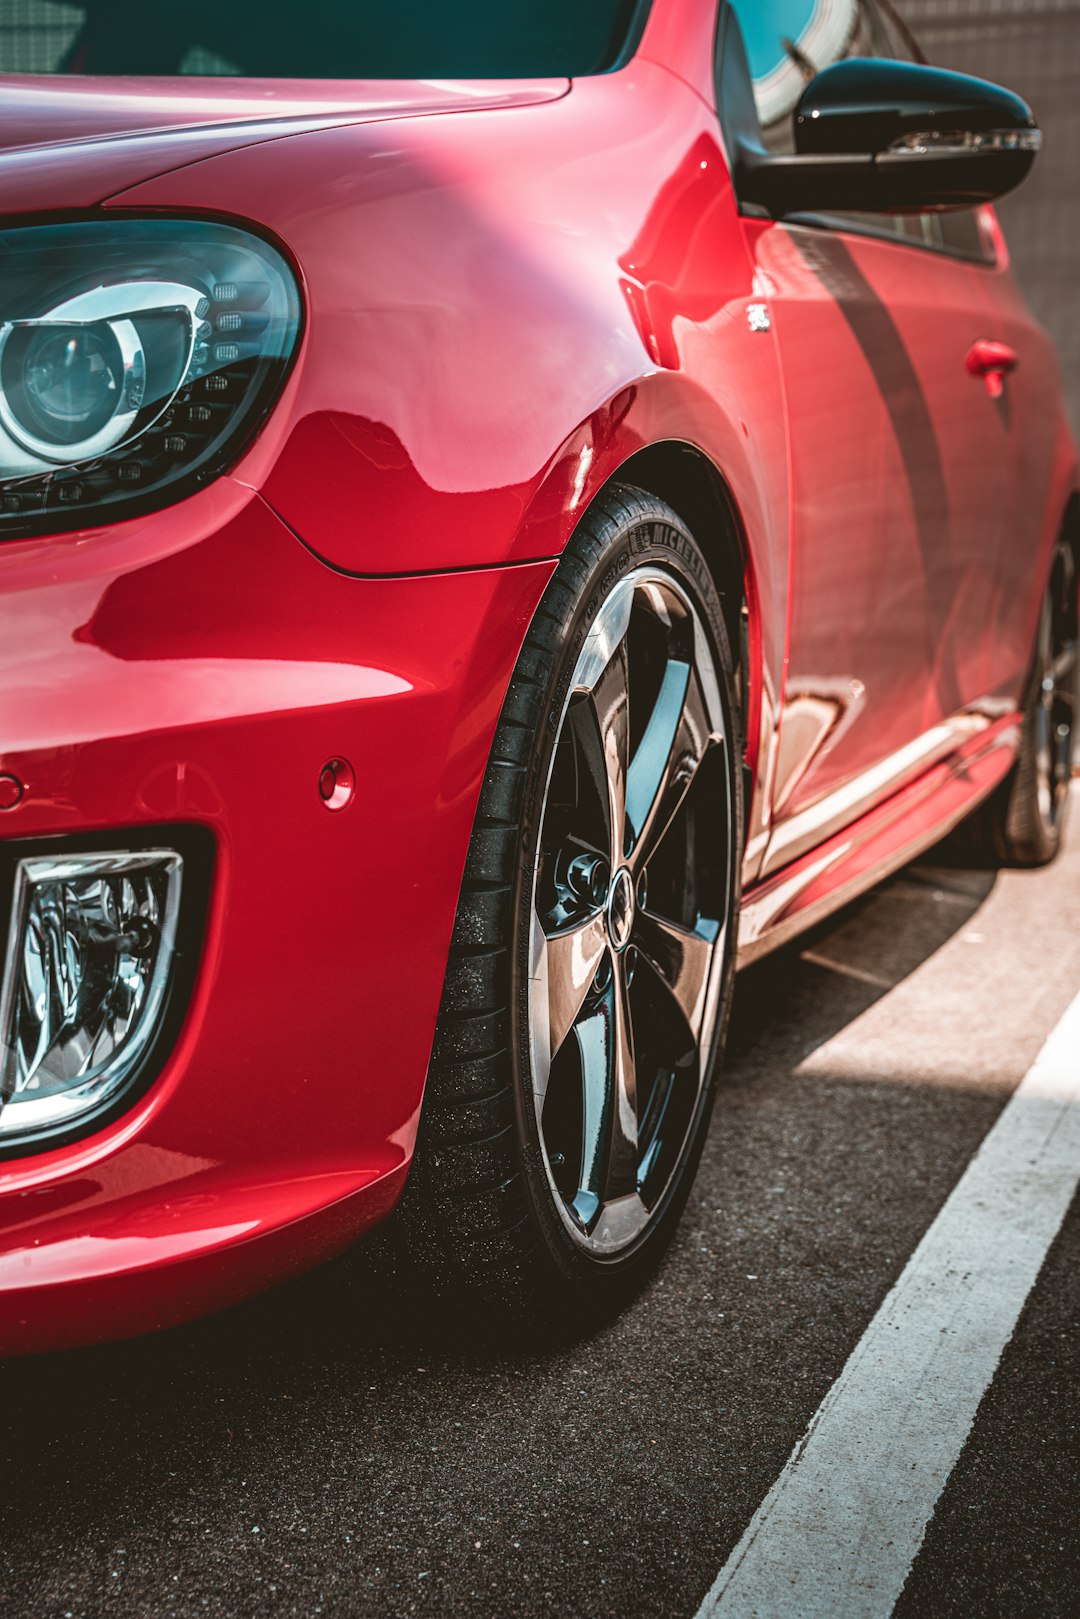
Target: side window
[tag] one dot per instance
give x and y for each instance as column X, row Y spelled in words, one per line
column 961, row 232
column 787, row 42
column 957, row 230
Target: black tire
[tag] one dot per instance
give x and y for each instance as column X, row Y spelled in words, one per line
column 1023, row 823
column 480, row 1214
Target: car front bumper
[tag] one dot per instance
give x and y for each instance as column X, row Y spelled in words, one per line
column 199, row 668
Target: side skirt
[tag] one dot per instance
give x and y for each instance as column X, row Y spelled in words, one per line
column 879, row 843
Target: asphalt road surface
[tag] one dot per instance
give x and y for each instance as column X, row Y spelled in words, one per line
column 323, row 1452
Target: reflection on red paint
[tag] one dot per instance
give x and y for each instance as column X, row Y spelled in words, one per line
column 513, row 295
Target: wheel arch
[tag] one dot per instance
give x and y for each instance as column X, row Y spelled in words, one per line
column 687, row 480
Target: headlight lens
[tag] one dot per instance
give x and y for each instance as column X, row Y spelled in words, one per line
column 64, row 384
column 89, row 957
column 137, row 358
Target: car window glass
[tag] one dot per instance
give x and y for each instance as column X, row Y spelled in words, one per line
column 325, row 39
column 957, row 229
column 787, row 42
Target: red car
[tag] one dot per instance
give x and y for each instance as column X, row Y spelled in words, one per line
column 507, row 513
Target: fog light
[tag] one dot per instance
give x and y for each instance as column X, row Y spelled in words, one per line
column 89, row 954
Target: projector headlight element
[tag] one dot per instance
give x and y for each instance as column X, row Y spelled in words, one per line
column 89, row 955
column 137, row 358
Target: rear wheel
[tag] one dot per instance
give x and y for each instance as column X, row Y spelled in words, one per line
column 590, row 974
column 1024, row 821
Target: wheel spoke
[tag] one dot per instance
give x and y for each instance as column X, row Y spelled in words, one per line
column 666, row 761
column 682, row 960
column 1063, row 667
column 609, row 1132
column 563, row 966
column 623, row 1161
column 605, row 745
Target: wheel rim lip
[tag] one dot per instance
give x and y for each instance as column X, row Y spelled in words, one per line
column 624, row 1221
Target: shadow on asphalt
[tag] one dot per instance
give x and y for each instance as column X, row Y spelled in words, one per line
column 828, row 977
column 136, row 1405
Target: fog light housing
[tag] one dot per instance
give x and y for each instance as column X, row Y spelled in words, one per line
column 90, row 951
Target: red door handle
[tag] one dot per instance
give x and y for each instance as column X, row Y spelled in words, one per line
column 993, row 362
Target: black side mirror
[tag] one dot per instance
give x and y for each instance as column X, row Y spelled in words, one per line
column 881, row 136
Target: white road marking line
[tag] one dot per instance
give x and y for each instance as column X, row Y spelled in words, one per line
column 839, row 1530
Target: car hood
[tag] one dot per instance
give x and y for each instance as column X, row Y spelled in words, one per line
column 69, row 143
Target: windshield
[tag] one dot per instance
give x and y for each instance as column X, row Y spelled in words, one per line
column 322, row 39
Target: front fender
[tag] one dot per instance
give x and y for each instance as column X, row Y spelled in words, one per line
column 491, row 297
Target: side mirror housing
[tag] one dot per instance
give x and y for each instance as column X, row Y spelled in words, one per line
column 894, row 137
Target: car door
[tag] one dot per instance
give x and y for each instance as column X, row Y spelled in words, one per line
column 1012, row 414
column 954, row 313
column 873, row 320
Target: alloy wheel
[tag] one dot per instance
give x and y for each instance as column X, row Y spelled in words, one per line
column 630, row 905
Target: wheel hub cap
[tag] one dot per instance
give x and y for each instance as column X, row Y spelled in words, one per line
column 620, row 909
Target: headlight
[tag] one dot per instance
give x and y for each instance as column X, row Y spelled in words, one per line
column 137, row 358
column 89, row 956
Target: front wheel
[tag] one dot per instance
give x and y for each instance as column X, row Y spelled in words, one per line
column 590, row 975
